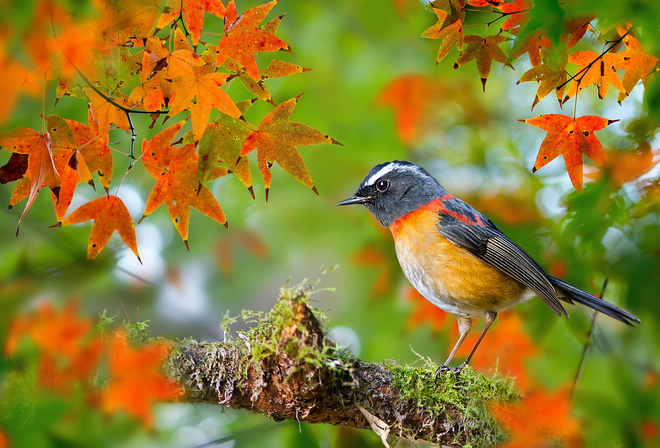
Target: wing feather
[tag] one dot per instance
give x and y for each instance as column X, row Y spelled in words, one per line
column 491, row 245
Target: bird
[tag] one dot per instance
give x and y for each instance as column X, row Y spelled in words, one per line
column 455, row 256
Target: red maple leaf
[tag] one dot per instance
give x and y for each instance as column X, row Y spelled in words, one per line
column 572, row 138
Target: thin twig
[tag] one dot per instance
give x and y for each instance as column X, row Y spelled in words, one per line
column 588, row 345
column 584, row 71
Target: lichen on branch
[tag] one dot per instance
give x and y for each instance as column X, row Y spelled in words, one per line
column 285, row 367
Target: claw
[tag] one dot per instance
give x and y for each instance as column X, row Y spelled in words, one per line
column 445, row 368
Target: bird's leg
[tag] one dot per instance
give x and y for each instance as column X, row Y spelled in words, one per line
column 464, row 325
column 490, row 318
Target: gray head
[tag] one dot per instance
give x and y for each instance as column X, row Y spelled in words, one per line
column 393, row 189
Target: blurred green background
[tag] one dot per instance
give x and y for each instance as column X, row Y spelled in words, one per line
column 473, row 144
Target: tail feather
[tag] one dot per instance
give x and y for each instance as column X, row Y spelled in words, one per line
column 575, row 294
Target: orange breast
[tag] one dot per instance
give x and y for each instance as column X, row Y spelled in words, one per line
column 448, row 276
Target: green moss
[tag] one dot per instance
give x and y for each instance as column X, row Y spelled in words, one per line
column 470, row 393
column 291, row 327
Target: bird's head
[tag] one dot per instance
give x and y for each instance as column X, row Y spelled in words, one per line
column 393, row 189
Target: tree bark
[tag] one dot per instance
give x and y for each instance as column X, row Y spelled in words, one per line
column 285, row 368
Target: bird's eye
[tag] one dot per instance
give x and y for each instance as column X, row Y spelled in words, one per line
column 382, row 185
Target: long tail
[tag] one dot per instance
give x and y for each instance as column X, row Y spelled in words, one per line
column 575, row 294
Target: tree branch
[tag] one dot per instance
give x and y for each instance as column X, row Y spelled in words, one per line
column 284, row 367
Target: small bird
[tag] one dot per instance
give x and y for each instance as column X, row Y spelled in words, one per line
column 456, row 257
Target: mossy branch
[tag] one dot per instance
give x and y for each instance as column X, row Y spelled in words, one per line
column 284, row 367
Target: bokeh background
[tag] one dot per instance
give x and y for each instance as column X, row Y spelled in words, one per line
column 469, row 140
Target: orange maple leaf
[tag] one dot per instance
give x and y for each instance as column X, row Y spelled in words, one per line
column 192, row 12
column 538, row 418
column 207, row 89
column 276, row 140
column 105, row 113
column 149, row 93
column 242, row 38
column 571, row 138
column 136, row 379
column 136, row 17
column 638, row 64
column 508, row 347
column 109, row 214
column 600, row 72
column 70, row 164
column 451, row 34
column 94, row 148
column 40, row 169
column 176, row 171
column 484, row 51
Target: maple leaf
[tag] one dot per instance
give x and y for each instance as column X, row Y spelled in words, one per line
column 223, row 141
column 39, row 171
column 276, row 140
column 109, row 214
column 484, row 51
column 207, row 89
column 136, row 378
column 571, row 138
column 149, row 93
column 600, row 72
column 518, row 12
column 94, row 148
column 451, row 34
column 192, row 12
column 538, row 418
column 69, row 163
column 104, row 112
column 551, row 76
column 576, row 30
column 176, row 171
column 508, row 348
column 242, row 38
column 638, row 64
column 136, row 17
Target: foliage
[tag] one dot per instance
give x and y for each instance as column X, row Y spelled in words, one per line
column 171, row 83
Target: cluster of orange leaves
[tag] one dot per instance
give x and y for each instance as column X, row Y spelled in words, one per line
column 567, row 135
column 70, row 353
column 148, row 58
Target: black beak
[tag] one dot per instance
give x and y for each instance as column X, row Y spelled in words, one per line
column 355, row 200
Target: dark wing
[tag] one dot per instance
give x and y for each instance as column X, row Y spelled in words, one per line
column 488, row 243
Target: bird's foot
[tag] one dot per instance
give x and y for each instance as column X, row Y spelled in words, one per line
column 445, row 368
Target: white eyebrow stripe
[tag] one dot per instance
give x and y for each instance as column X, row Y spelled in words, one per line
column 388, row 169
